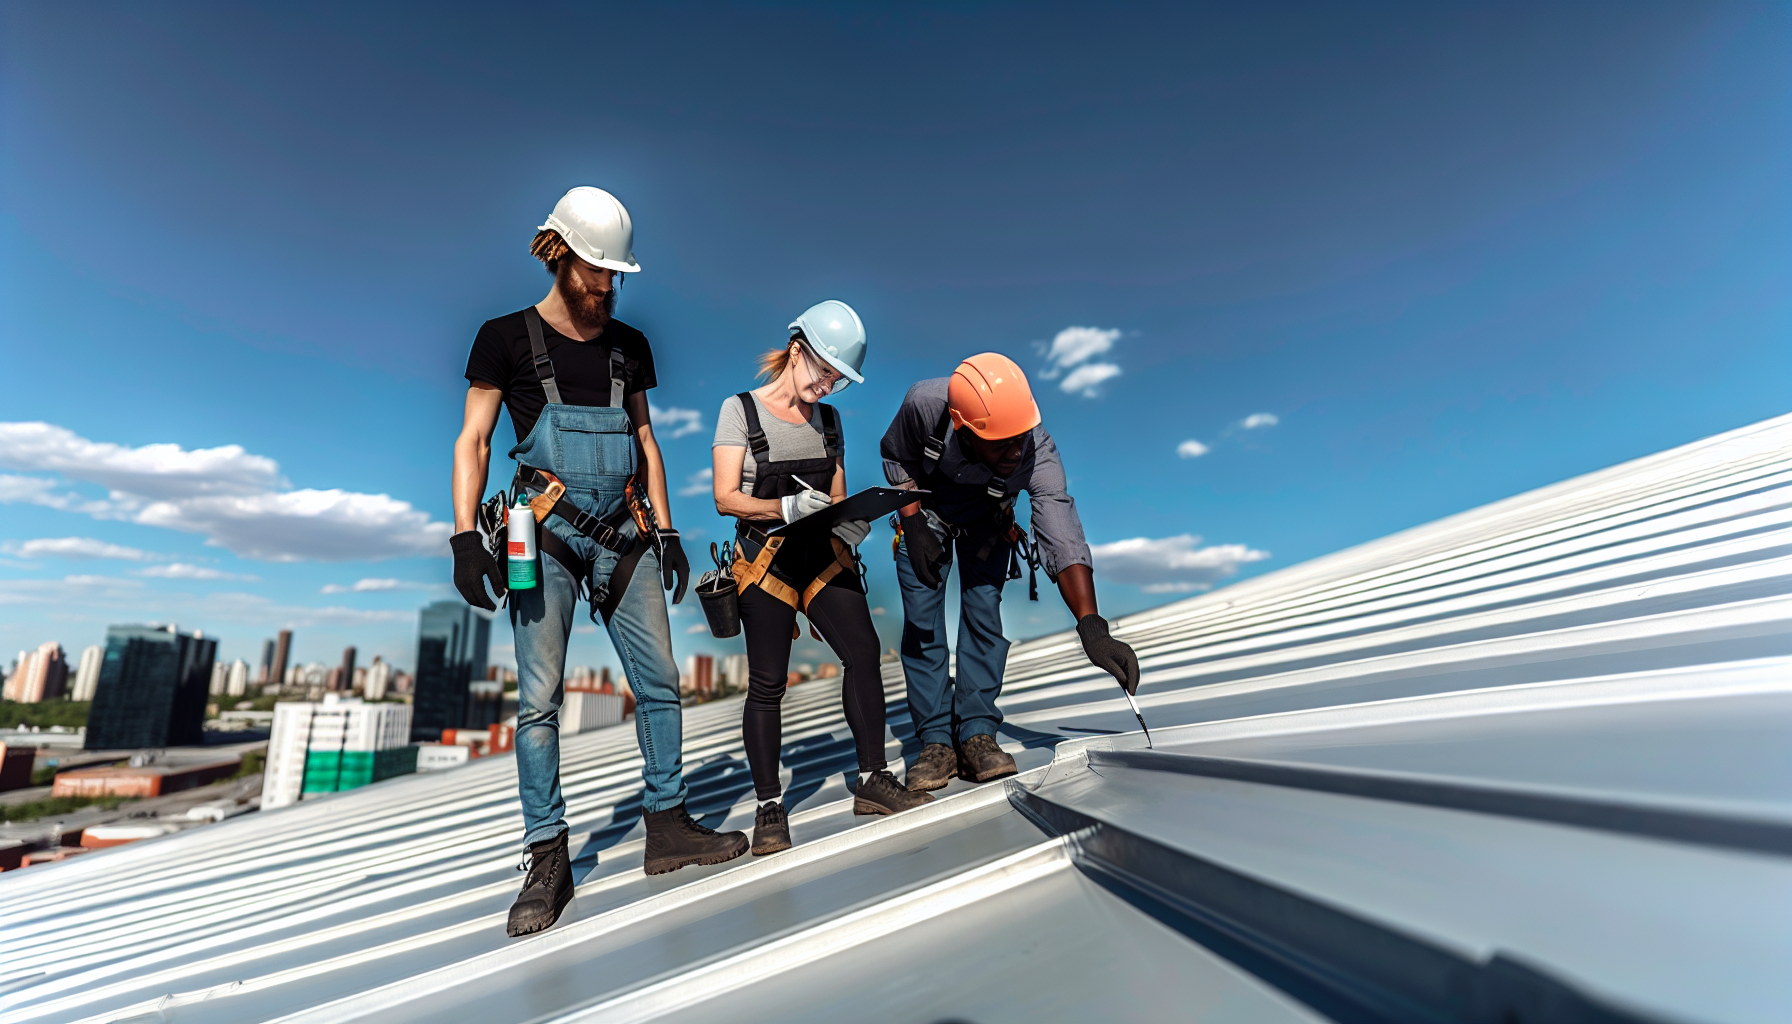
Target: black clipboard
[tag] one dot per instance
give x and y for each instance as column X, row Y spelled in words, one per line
column 870, row 503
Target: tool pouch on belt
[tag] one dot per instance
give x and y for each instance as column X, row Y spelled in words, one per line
column 719, row 595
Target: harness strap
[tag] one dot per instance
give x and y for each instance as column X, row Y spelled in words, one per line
column 606, row 530
column 544, row 367
column 761, row 448
column 758, row 572
column 934, row 448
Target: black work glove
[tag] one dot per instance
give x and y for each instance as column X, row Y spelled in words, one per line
column 673, row 562
column 925, row 552
column 473, row 566
column 1107, row 653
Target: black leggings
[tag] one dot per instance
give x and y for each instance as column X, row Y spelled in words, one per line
column 843, row 618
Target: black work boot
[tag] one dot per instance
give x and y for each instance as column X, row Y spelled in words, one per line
column 674, row 839
column 771, row 829
column 880, row 793
column 933, row 769
column 547, row 888
column 980, row 759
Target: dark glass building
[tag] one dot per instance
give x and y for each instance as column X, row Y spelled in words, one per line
column 452, row 638
column 153, row 688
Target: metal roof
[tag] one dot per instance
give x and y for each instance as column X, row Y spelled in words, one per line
column 1524, row 763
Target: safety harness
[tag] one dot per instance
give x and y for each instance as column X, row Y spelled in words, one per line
column 998, row 526
column 776, row 480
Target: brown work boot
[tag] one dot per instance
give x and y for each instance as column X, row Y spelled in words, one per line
column 933, row 769
column 880, row 793
column 674, row 839
column 980, row 759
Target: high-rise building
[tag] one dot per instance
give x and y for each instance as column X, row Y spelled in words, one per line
column 152, row 688
column 87, row 677
column 379, row 677
column 338, row 744
column 238, row 683
column 282, row 651
column 702, row 670
column 346, row 680
column 265, row 673
column 452, row 642
column 220, row 679
column 41, row 675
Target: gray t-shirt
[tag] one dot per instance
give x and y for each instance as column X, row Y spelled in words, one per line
column 788, row 440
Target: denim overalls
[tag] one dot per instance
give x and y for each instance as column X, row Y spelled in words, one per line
column 591, row 449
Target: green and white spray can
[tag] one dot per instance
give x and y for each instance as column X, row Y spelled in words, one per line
column 521, row 535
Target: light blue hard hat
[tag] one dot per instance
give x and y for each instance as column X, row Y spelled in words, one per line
column 835, row 333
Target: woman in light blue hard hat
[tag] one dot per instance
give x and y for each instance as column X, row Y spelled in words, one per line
column 778, row 456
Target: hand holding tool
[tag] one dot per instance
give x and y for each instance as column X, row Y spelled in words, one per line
column 808, row 502
column 1116, row 658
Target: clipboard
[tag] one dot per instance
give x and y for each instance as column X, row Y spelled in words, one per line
column 870, row 503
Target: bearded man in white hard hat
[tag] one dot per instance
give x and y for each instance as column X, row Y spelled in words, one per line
column 575, row 381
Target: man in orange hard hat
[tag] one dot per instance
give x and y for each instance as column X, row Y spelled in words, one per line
column 974, row 442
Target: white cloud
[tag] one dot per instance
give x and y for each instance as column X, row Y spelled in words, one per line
column 1171, row 564
column 183, row 571
column 374, row 586
column 1069, row 353
column 152, row 471
column 1191, row 449
column 697, row 628
column 72, row 547
column 674, row 421
column 700, row 482
column 1260, row 419
column 1074, row 345
column 232, row 497
column 1084, row 379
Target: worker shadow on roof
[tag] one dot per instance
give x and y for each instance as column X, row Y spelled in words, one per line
column 623, row 819
column 714, row 786
column 812, row 760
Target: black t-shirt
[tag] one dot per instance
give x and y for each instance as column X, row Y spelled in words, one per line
column 501, row 358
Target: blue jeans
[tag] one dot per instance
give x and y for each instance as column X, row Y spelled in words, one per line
column 542, row 618
column 947, row 709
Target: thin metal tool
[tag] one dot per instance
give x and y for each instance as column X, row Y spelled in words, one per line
column 1141, row 718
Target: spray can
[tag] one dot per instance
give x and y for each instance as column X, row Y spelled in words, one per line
column 521, row 536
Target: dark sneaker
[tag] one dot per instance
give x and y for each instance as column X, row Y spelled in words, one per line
column 547, row 888
column 933, row 769
column 674, row 839
column 882, row 794
column 771, row 829
column 980, row 759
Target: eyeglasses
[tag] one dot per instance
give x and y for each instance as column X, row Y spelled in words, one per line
column 824, row 375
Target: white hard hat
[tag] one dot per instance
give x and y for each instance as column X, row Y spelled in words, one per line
column 835, row 333
column 595, row 224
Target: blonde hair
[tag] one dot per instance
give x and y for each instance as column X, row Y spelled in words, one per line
column 773, row 362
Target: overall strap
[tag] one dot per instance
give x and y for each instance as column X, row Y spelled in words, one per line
column 618, row 377
column 755, row 434
column 544, row 367
column 830, row 431
column 934, row 448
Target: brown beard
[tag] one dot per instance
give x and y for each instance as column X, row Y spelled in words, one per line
column 588, row 309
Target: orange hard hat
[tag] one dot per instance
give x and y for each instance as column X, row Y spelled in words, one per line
column 989, row 394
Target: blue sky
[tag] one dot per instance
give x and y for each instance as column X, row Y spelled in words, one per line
column 1452, row 251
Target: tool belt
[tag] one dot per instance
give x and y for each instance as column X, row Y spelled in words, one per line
column 1003, row 529
column 758, row 572
column 605, row 530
